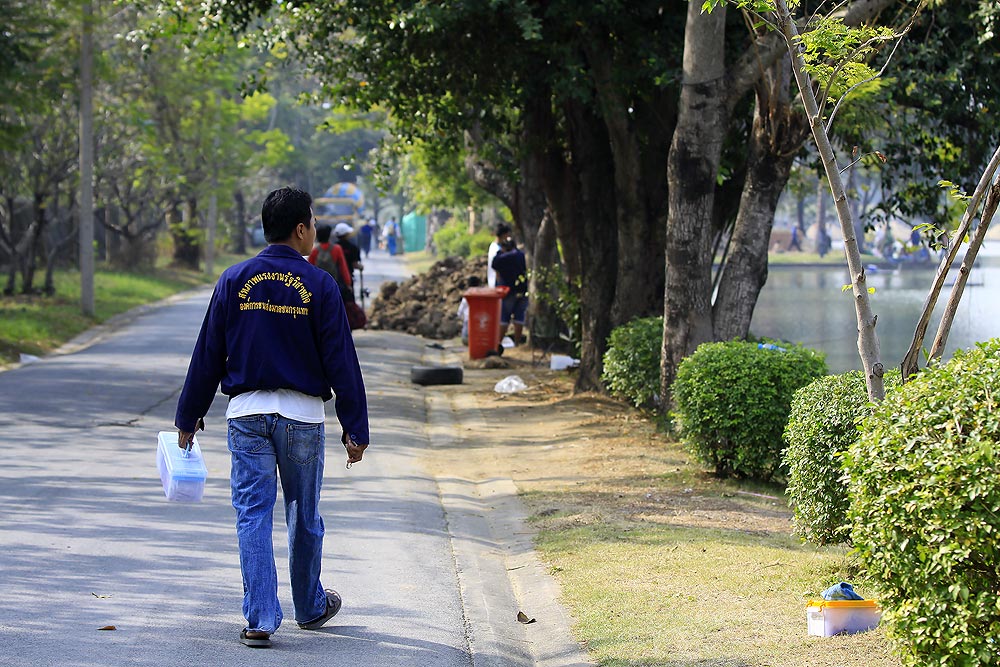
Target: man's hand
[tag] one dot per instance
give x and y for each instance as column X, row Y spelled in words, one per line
column 185, row 439
column 355, row 452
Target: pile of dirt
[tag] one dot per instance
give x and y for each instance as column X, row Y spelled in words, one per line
column 427, row 304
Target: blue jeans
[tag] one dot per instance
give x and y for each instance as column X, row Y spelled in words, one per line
column 265, row 448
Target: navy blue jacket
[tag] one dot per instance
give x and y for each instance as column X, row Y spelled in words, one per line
column 512, row 271
column 276, row 322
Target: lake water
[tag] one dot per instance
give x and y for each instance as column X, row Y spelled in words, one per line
column 807, row 305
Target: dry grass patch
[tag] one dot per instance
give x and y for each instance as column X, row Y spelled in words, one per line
column 660, row 563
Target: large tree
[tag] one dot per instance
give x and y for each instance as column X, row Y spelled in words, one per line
column 649, row 125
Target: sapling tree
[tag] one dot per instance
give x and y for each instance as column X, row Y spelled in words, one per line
column 830, row 53
column 854, row 46
column 991, row 190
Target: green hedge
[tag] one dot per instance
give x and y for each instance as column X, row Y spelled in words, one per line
column 823, row 424
column 925, row 510
column 632, row 361
column 733, row 401
column 454, row 240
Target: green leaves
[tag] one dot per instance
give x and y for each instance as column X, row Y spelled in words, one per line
column 755, row 6
column 955, row 191
column 923, row 484
column 632, row 362
column 838, row 56
column 733, row 401
column 822, row 425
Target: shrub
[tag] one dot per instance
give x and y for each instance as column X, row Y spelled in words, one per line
column 454, row 240
column 733, row 401
column 926, row 510
column 632, row 362
column 822, row 425
column 563, row 296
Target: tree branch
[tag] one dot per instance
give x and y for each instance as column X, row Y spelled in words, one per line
column 768, row 48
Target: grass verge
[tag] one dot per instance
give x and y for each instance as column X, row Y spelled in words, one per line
column 660, row 563
column 37, row 324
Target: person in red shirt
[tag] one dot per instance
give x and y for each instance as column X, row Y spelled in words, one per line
column 330, row 257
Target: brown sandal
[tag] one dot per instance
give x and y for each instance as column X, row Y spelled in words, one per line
column 255, row 638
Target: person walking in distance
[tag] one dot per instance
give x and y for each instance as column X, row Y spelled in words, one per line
column 390, row 232
column 365, row 235
column 276, row 337
column 352, row 253
column 512, row 271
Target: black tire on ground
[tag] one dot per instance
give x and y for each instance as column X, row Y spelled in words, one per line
column 436, row 375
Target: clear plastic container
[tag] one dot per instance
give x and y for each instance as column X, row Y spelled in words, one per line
column 827, row 618
column 182, row 473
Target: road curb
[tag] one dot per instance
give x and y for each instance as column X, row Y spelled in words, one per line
column 99, row 332
column 499, row 572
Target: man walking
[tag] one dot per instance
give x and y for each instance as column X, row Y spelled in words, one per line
column 277, row 338
column 512, row 272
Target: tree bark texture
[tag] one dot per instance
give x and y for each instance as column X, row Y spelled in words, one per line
column 591, row 168
column 776, row 135
column 692, row 168
column 639, row 162
column 951, row 308
column 910, row 364
column 184, row 231
column 239, row 222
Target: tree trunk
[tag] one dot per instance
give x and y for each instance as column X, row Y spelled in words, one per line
column 910, row 363
column 774, row 137
column 558, row 181
column 800, row 214
column 975, row 243
column 239, row 223
column 639, row 279
column 595, row 222
column 187, row 248
column 692, row 168
column 868, row 344
column 31, row 242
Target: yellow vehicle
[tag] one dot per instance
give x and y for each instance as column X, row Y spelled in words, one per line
column 342, row 202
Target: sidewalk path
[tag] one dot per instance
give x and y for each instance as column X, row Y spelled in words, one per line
column 87, row 539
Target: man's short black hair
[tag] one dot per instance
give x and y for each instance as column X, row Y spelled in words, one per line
column 502, row 229
column 507, row 244
column 323, row 233
column 283, row 210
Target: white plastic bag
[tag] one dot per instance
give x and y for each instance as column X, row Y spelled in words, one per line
column 560, row 362
column 509, row 385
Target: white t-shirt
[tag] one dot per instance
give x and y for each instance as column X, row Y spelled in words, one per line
column 288, row 403
column 491, row 274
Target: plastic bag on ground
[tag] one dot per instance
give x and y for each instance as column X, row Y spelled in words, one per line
column 560, row 362
column 509, row 385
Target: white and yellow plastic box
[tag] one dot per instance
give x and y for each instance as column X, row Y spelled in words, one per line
column 827, row 618
column 182, row 473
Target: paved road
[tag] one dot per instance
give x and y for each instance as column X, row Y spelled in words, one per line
column 87, row 539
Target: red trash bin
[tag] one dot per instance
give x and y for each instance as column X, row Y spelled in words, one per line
column 484, row 319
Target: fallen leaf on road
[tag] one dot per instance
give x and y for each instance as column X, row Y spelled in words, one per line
column 523, row 618
column 108, row 627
